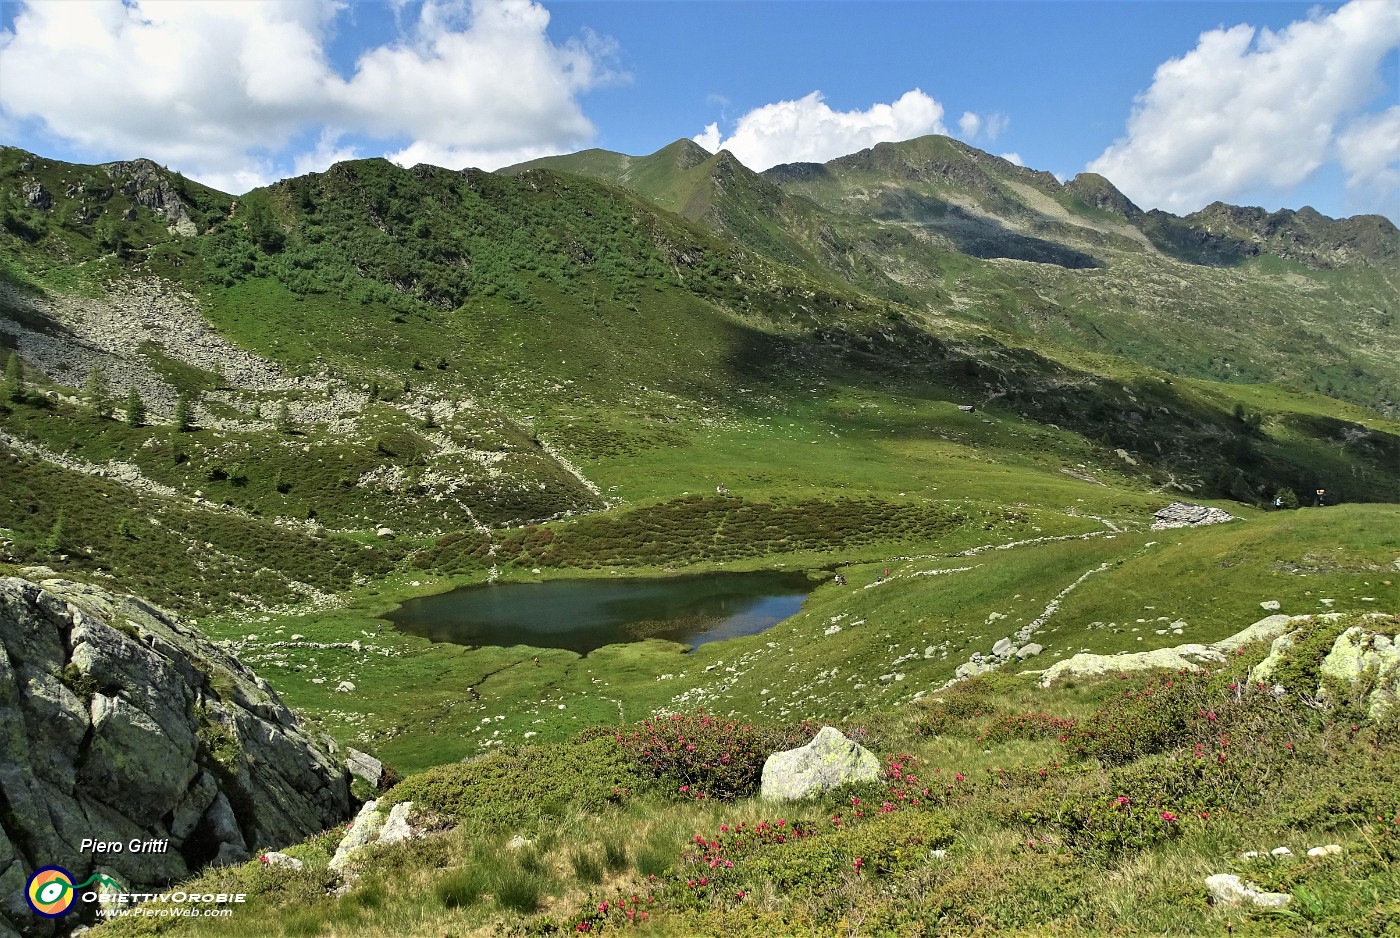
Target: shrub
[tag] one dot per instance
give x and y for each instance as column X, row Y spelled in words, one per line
column 518, row 788
column 1100, row 824
column 1029, row 726
column 702, row 755
column 1142, row 722
column 954, row 710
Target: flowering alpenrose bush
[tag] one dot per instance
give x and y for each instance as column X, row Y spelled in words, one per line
column 703, row 755
column 1111, row 825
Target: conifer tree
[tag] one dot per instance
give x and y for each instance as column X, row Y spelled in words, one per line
column 14, row 379
column 184, row 417
column 135, row 408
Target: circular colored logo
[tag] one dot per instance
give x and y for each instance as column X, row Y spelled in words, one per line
column 50, row 891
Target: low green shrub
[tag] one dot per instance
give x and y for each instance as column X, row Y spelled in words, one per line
column 1029, row 726
column 519, row 788
column 1142, row 722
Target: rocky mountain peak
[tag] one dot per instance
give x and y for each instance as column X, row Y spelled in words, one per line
column 1097, row 192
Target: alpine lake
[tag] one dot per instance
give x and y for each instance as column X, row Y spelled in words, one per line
column 584, row 615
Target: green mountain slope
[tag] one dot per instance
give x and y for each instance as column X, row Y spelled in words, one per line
column 446, row 353
column 941, row 226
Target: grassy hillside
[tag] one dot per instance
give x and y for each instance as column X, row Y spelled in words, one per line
column 1098, row 808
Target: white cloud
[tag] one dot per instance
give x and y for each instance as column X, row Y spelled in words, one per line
column 1251, row 108
column 808, row 130
column 1369, row 151
column 1013, row 158
column 972, row 126
column 220, row 89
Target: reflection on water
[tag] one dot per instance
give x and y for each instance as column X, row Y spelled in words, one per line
column 582, row 615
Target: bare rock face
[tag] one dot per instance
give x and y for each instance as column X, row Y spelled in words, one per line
column 119, row 723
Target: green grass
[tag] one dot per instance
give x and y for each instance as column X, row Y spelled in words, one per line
column 1000, row 837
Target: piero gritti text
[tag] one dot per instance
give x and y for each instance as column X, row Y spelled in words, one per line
column 135, row 845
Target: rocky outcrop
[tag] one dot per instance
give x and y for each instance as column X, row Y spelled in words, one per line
column 1191, row 656
column 1361, row 654
column 1187, row 515
column 372, row 827
column 147, row 184
column 1367, row 654
column 829, row 761
column 118, row 723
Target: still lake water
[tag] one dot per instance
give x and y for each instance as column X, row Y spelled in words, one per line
column 582, row 615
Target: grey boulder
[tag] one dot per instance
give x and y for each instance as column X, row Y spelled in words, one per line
column 829, row 761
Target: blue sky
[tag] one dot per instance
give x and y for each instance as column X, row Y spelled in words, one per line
column 1278, row 104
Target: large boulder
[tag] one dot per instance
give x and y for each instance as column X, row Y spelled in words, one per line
column 1188, row 515
column 829, row 761
column 120, row 723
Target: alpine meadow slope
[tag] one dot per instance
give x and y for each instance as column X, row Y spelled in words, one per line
column 951, row 390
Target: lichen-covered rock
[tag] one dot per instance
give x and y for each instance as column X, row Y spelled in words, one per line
column 829, row 761
column 364, row 830
column 119, row 723
column 1360, row 653
column 371, row 827
column 1226, row 889
column 396, row 826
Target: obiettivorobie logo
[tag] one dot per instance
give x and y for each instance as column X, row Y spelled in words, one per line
column 51, row 893
column 51, row 890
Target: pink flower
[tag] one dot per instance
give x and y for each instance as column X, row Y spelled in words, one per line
column 1168, row 816
column 858, row 864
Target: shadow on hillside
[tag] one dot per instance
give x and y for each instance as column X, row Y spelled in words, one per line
column 1171, row 434
column 974, row 234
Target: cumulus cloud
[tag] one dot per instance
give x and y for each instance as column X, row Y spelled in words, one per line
column 808, row 130
column 221, row 89
column 1013, row 158
column 1251, row 108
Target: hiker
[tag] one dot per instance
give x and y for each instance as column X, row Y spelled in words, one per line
column 1321, row 497
column 536, row 659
